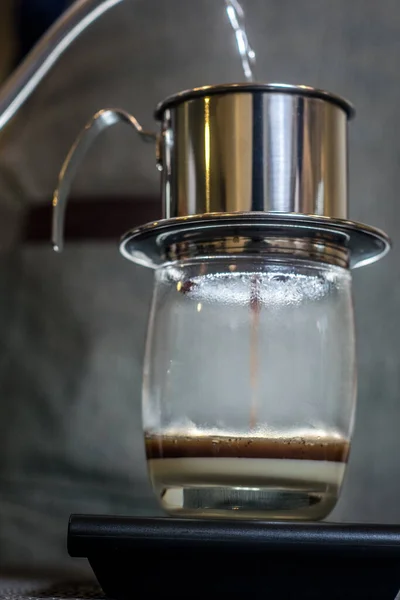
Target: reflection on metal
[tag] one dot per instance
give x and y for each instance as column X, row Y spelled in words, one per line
column 236, row 17
column 335, row 241
column 207, row 152
column 47, row 51
column 102, row 120
column 268, row 247
column 255, row 148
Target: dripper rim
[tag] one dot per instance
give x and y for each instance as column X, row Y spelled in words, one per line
column 272, row 88
column 145, row 245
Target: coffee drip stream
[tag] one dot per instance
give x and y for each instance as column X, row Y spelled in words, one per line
column 255, row 307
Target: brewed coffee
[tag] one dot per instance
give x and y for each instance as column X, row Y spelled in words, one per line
column 247, row 476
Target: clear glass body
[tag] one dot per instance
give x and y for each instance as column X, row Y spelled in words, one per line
column 249, row 387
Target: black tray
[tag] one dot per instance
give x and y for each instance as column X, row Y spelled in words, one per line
column 179, row 558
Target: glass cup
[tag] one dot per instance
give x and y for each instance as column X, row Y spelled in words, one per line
column 249, row 387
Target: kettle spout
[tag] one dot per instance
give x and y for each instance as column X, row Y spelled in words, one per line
column 47, row 51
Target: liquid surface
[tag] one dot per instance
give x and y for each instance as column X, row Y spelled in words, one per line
column 246, row 477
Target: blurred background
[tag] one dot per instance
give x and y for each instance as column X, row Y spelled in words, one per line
column 72, row 326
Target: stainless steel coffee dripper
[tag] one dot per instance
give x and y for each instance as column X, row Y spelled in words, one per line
column 244, row 167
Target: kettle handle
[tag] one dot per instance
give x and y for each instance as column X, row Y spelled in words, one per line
column 99, row 122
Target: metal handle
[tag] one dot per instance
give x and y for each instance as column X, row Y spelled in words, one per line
column 102, row 120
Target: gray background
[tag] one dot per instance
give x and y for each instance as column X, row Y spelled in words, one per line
column 72, row 327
